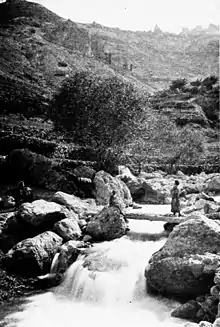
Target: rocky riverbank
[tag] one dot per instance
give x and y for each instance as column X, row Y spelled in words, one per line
column 45, row 237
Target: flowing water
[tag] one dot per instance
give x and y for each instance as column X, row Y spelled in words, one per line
column 111, row 294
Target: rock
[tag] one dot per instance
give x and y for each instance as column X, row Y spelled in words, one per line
column 42, row 213
column 82, row 224
column 214, row 291
column 168, row 227
column 99, row 260
column 87, row 238
column 105, row 184
column 150, row 192
column 211, row 207
column 187, row 310
column 201, row 233
column 216, row 323
column 186, row 264
column 79, row 206
column 68, row 229
column 213, row 215
column 33, row 256
column 213, row 184
column 205, row 324
column 107, row 225
column 125, row 174
column 73, row 248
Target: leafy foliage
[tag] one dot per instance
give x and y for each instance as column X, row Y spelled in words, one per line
column 161, row 140
column 97, row 110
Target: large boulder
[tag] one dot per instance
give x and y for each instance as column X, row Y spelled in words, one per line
column 68, row 229
column 41, row 213
column 151, row 188
column 79, row 206
column 105, row 184
column 184, row 267
column 107, row 225
column 33, row 256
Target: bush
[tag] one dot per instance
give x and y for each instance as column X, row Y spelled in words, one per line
column 97, row 110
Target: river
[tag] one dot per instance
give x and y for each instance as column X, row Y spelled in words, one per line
column 114, row 297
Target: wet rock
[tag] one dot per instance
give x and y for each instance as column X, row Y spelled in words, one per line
column 107, row 225
column 105, row 184
column 168, row 227
column 100, row 261
column 73, row 248
column 186, row 264
column 68, row 229
column 41, row 213
column 187, row 310
column 33, row 256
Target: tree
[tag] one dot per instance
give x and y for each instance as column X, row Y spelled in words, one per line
column 160, row 141
column 98, row 111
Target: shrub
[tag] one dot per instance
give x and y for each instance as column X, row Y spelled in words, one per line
column 97, row 110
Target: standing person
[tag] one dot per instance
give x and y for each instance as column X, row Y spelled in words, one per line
column 175, row 203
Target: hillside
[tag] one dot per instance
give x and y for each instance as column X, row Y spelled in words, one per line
column 39, row 49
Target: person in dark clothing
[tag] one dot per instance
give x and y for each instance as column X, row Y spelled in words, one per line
column 175, row 203
column 21, row 193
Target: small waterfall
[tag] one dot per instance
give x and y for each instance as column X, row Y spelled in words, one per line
column 107, row 286
column 53, row 268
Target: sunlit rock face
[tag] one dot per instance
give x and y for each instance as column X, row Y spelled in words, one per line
column 186, row 264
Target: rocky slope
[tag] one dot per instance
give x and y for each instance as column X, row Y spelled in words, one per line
column 39, row 49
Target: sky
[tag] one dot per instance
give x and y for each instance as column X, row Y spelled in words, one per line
column 170, row 15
